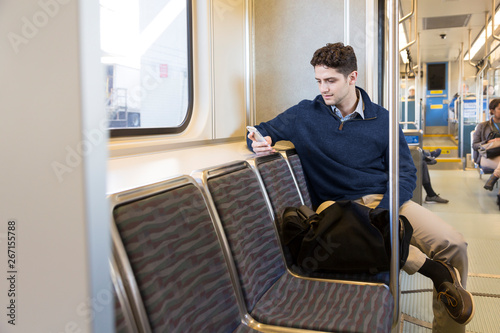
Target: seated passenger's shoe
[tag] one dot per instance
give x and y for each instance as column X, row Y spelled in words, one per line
column 491, row 182
column 436, row 153
column 458, row 301
column 435, row 199
column 430, row 160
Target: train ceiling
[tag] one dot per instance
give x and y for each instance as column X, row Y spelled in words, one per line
column 444, row 27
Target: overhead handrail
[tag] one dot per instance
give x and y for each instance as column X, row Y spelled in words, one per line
column 469, row 52
column 495, row 37
column 417, row 70
column 484, row 61
column 488, row 53
column 493, row 12
column 417, row 66
column 413, row 12
column 410, row 14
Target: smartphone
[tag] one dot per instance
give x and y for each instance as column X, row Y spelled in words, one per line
column 258, row 137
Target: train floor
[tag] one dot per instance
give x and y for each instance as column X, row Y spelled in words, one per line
column 473, row 211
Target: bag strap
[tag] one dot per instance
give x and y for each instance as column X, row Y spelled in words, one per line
column 494, row 130
column 405, row 239
column 305, row 212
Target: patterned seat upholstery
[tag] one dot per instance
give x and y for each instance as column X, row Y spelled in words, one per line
column 279, row 183
column 245, row 218
column 177, row 261
column 294, row 160
column 272, row 296
column 328, row 307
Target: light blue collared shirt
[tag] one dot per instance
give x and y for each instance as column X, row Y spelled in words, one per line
column 359, row 110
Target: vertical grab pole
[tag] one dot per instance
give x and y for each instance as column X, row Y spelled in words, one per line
column 393, row 88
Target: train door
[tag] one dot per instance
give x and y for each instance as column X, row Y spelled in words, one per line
column 436, row 116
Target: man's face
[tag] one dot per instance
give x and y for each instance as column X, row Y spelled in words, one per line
column 333, row 85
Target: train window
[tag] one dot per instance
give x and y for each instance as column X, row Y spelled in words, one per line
column 147, row 58
column 436, row 76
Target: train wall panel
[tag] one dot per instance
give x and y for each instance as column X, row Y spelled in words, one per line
column 53, row 168
column 229, row 18
column 286, row 35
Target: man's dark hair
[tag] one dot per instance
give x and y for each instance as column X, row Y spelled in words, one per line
column 493, row 104
column 337, row 56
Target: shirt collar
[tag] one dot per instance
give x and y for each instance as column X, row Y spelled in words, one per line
column 360, row 108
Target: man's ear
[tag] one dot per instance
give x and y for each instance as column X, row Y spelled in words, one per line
column 353, row 77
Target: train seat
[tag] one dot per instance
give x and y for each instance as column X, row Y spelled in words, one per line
column 282, row 189
column 280, row 183
column 272, row 295
column 173, row 267
column 294, row 161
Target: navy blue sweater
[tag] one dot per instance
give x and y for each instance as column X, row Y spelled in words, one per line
column 343, row 162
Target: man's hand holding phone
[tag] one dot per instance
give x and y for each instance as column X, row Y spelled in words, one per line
column 261, row 145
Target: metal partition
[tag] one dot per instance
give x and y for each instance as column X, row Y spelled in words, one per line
column 393, row 106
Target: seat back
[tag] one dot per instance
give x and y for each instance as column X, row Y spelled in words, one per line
column 169, row 255
column 281, row 187
column 246, row 220
column 296, row 165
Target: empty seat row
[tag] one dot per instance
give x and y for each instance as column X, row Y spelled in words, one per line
column 202, row 253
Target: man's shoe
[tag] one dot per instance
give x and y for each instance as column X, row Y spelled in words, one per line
column 435, row 199
column 458, row 301
column 491, row 182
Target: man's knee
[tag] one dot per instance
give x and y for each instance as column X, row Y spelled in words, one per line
column 453, row 246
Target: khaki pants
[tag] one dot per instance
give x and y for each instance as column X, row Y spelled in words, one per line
column 492, row 163
column 432, row 238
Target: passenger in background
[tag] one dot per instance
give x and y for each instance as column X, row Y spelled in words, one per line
column 489, row 131
column 411, row 93
column 429, row 158
column 489, row 90
column 342, row 139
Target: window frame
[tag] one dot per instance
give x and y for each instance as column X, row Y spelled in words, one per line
column 129, row 132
